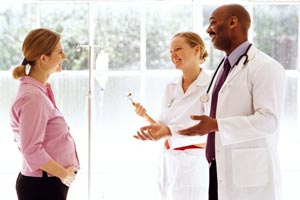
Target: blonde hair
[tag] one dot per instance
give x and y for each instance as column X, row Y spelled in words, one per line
column 193, row 39
column 37, row 42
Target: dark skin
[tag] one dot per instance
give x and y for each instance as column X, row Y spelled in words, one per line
column 227, row 31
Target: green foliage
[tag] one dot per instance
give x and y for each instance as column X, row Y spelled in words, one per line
column 15, row 23
column 276, row 32
column 162, row 22
column 121, row 29
column 117, row 32
column 71, row 21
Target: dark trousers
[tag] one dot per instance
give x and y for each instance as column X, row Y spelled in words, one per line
column 213, row 181
column 40, row 188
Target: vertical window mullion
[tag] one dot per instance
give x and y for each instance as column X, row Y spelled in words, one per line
column 143, row 52
column 298, row 60
column 38, row 14
column 143, row 38
column 197, row 17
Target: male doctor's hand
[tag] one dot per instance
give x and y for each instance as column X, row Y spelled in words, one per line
column 206, row 125
column 153, row 132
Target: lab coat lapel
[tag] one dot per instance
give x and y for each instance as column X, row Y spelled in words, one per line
column 240, row 65
column 236, row 69
column 201, row 81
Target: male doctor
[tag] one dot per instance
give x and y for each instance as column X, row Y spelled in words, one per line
column 244, row 113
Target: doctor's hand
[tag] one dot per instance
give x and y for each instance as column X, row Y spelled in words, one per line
column 206, row 125
column 153, row 132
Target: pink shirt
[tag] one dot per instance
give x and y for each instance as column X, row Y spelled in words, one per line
column 40, row 130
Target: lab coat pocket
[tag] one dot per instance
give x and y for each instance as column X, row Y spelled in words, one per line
column 250, row 167
column 193, row 170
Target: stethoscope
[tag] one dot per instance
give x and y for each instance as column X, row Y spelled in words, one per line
column 205, row 97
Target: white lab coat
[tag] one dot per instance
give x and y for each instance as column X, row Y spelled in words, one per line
column 183, row 175
column 178, row 106
column 249, row 107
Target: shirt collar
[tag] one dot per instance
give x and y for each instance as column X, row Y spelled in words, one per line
column 202, row 79
column 238, row 52
column 32, row 81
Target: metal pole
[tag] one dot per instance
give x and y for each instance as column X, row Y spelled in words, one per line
column 91, row 64
column 89, row 121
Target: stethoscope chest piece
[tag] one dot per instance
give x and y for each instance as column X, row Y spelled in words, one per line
column 204, row 98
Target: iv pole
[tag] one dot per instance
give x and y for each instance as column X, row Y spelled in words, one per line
column 90, row 93
column 89, row 109
column 91, row 64
column 89, row 105
column 89, row 120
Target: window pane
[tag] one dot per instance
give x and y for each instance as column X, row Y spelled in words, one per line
column 276, row 32
column 71, row 21
column 214, row 55
column 16, row 21
column 162, row 22
column 129, row 33
column 117, row 31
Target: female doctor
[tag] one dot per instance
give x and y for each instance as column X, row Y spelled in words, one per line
column 245, row 165
column 183, row 173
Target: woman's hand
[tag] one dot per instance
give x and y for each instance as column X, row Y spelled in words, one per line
column 70, row 177
column 153, row 132
column 66, row 175
column 140, row 110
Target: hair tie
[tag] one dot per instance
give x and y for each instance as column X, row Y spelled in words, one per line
column 24, row 62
